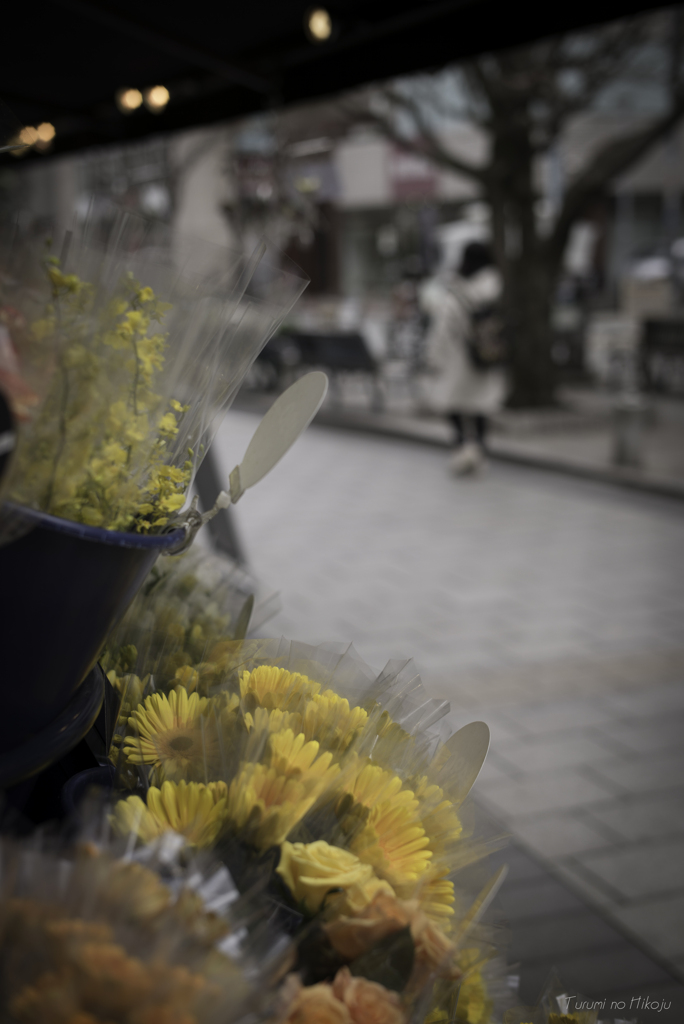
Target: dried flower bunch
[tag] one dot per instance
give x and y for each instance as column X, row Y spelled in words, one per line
column 346, row 805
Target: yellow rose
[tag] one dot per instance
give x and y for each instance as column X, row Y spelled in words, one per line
column 312, row 870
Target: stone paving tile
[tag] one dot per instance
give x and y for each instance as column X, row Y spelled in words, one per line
column 597, row 971
column 650, row 869
column 640, row 704
column 555, row 836
column 549, row 791
column 585, row 883
column 640, row 774
column 659, row 922
column 560, row 936
column 534, row 899
column 652, row 815
column 559, row 716
column 645, row 735
column 570, row 749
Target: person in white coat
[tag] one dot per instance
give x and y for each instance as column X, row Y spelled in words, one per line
column 465, row 393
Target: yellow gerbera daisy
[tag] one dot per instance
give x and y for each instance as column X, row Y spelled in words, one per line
column 372, row 785
column 263, row 721
column 436, row 897
column 329, row 719
column 271, row 687
column 394, row 842
column 439, row 817
column 292, row 756
column 269, row 804
column 168, row 732
column 194, row 810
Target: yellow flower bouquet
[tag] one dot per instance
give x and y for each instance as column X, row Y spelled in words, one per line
column 311, row 775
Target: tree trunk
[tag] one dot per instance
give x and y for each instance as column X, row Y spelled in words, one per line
column 529, row 277
column 529, row 286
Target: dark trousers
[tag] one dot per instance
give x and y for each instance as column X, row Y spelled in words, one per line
column 468, row 428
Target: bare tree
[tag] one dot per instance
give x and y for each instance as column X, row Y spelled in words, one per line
column 524, row 101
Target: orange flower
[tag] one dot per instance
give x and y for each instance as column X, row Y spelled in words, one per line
column 434, row 953
column 353, row 936
column 317, row 1004
column 366, row 1001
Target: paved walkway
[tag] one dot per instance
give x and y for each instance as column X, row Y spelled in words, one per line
column 578, row 439
column 549, row 606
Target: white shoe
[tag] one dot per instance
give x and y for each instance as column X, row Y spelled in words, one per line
column 466, row 460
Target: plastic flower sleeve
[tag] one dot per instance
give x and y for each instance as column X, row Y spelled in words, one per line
column 131, row 347
column 272, row 285
column 85, row 935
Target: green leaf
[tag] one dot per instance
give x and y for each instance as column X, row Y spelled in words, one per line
column 389, row 962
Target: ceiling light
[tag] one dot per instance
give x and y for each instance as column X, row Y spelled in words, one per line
column 29, row 136
column 318, row 25
column 156, row 98
column 128, row 100
column 46, row 132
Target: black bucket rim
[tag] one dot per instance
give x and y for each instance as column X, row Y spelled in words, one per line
column 97, row 534
column 58, row 737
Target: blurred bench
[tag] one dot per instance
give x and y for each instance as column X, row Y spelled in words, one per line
column 662, row 355
column 338, row 353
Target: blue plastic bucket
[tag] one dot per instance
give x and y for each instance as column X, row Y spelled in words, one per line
column 63, row 588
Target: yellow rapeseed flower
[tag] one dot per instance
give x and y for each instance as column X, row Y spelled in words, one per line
column 194, row 810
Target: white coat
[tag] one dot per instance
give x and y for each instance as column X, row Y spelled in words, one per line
column 452, row 383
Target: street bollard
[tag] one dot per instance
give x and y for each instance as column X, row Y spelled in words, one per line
column 629, row 417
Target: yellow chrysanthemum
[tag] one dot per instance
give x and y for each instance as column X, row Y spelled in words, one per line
column 269, row 804
column 169, row 734
column 394, row 842
column 329, row 719
column 194, row 810
column 271, row 687
column 291, row 755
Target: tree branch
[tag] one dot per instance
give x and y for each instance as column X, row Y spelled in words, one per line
column 431, row 145
column 615, row 158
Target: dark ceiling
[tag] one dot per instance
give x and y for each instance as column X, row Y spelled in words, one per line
column 64, row 60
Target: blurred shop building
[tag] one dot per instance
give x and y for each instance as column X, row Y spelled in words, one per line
column 363, row 216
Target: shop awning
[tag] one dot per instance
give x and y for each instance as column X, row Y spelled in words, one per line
column 65, row 61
